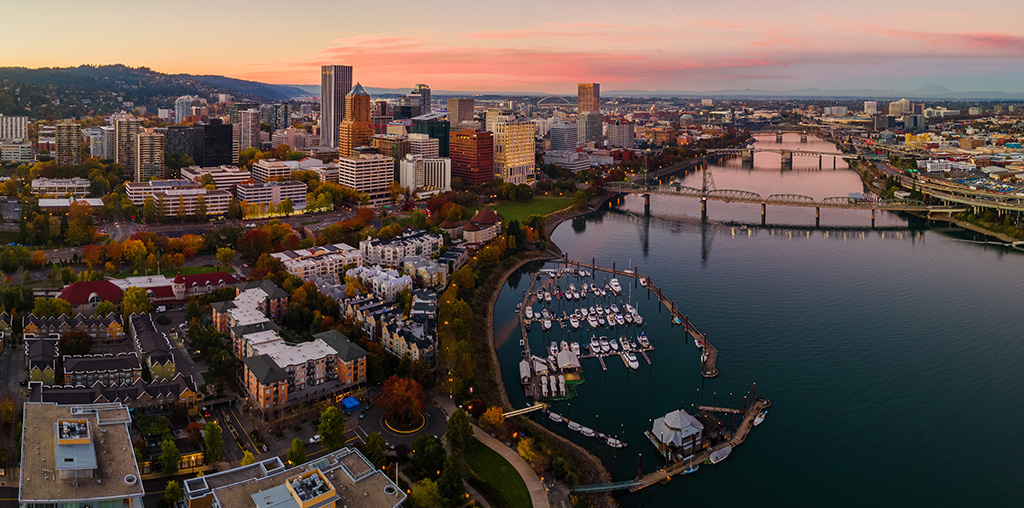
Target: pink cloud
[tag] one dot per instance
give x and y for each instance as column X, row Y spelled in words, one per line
column 976, row 40
column 774, row 39
column 715, row 23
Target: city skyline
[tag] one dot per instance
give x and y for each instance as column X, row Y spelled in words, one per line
column 653, row 45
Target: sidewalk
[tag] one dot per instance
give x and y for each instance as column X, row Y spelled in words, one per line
column 538, row 495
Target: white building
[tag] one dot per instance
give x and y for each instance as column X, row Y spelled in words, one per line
column 249, row 130
column 13, row 128
column 369, row 174
column 384, row 283
column 183, row 107
column 870, row 107
column 569, row 160
column 138, row 191
column 61, row 186
column 322, row 261
column 621, row 134
column 225, row 177
column 426, row 173
column 514, row 150
column 176, row 202
column 266, row 170
column 149, row 156
column 273, row 192
column 422, row 144
column 16, row 151
column 563, row 136
column 392, row 252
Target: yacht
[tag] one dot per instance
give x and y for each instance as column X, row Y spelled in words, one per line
column 587, row 431
column 614, row 308
column 631, row 360
column 614, row 286
column 595, row 346
column 614, row 344
column 634, row 346
column 643, row 281
column 592, row 311
column 555, row 417
column 619, row 320
column 624, row 343
column 574, row 321
column 630, row 309
column 600, row 320
column 605, row 346
column 584, row 312
column 637, row 318
column 600, row 309
column 691, row 469
column 545, row 313
column 575, row 348
column 547, row 297
column 575, row 426
column 642, row 337
column 553, row 348
column 628, row 317
column 615, row 443
column 547, row 324
column 563, row 346
column 572, row 287
column 760, row 417
column 592, row 321
column 583, row 293
column 720, row 454
column 529, row 312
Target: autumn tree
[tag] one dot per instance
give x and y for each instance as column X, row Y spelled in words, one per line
column 172, row 494
column 248, row 458
column 51, row 307
column 534, row 453
column 201, row 209
column 135, row 301
column 38, row 258
column 425, row 494
column 135, row 252
column 402, row 400
column 75, row 342
column 114, row 252
column 493, row 417
column 225, row 255
column 105, row 307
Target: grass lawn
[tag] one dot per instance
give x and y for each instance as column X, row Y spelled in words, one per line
column 496, row 471
column 185, row 270
column 540, row 205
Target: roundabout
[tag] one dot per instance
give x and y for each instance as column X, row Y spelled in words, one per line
column 417, row 424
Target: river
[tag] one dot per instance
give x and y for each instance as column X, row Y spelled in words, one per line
column 891, row 356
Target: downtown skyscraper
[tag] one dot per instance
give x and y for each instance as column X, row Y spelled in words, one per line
column 335, row 83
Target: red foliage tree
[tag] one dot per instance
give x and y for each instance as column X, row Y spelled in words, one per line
column 402, row 399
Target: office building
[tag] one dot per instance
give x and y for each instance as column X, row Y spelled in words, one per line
column 69, row 144
column 126, row 128
column 370, row 174
column 13, row 128
column 183, row 107
column 588, row 98
column 273, row 193
column 870, row 108
column 590, row 127
column 275, row 115
column 224, row 177
column 459, row 111
column 422, row 94
column 621, row 134
column 357, row 129
column 563, row 136
column 514, row 146
column 570, row 160
column 77, row 186
column 268, row 170
column 425, row 145
column 391, row 145
column 472, row 155
column 435, row 125
column 149, row 153
column 16, row 151
column 495, row 115
column 249, row 130
column 381, row 114
column 185, row 202
column 335, row 83
column 179, row 139
column 417, row 172
column 78, row 455
column 212, row 143
column 295, row 137
column 137, row 192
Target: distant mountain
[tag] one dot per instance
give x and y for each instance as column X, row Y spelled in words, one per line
column 927, row 92
column 253, row 88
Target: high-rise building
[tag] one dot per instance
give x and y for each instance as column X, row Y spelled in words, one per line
column 428, row 173
column 422, row 92
column 590, row 127
column 563, row 136
column 370, row 174
column 212, row 143
column 381, row 115
column 459, row 111
column 183, row 107
column 178, row 139
column 248, row 129
column 357, row 129
column 275, row 115
column 495, row 115
column 514, row 158
column 436, row 126
column 149, row 153
column 870, row 107
column 423, row 145
column 335, row 82
column 69, row 144
column 236, row 108
column 588, row 98
column 126, row 127
column 621, row 134
column 13, row 128
column 472, row 154
column 391, row 145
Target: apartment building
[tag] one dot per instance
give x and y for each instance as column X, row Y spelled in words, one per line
column 392, row 252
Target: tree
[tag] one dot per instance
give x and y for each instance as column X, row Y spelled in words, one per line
column 225, row 255
column 248, row 458
column 51, row 307
column 134, row 252
column 201, row 209
column 38, row 258
column 375, row 450
column 105, row 308
column 135, row 301
column 75, row 342
column 195, row 433
column 493, row 417
column 332, row 428
column 287, row 207
column 172, row 494
column 234, row 209
column 450, row 483
column 425, row 494
column 427, row 456
column 579, row 200
column 169, row 457
column 214, row 443
column 150, row 214
column 402, row 399
column 458, row 432
column 533, row 453
column 297, row 453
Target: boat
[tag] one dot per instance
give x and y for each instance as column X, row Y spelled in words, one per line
column 597, row 310
column 720, row 454
column 605, row 346
column 633, row 346
column 540, row 294
column 592, row 321
column 760, row 417
column 619, row 320
column 522, row 342
column 554, row 349
column 595, row 346
column 613, row 308
column 563, row 346
column 547, row 324
column 642, row 337
column 575, row 426
column 547, row 297
column 583, row 311
column 544, row 313
column 544, row 386
column 697, row 342
column 519, row 306
column 614, row 286
column 614, row 443
column 631, row 361
column 587, row 431
column 637, row 318
column 643, row 281
column 529, row 312
column 628, row 318
column 555, row 417
column 572, row 287
column 677, row 321
column 614, row 344
column 575, row 348
column 574, row 321
column 630, row 309
column 691, row 469
column 600, row 320
column 624, row 343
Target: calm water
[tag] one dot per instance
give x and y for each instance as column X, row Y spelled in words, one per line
column 891, row 357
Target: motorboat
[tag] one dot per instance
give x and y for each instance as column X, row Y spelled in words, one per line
column 575, row 426
column 613, row 308
column 593, row 311
column 547, row 297
column 592, row 321
column 631, row 360
column 614, row 443
column 572, row 287
column 677, row 321
column 614, row 286
column 529, row 312
column 633, row 346
column 574, row 321
column 544, row 386
column 522, row 342
column 605, row 345
column 642, row 337
column 595, row 346
column 546, row 323
column 600, row 320
column 555, row 417
column 760, row 417
column 691, row 469
column 637, row 318
column 720, row 454
column 545, row 313
column 619, row 320
column 643, row 281
column 554, row 349
column 540, row 294
column 519, row 306
column 630, row 309
column 563, row 346
column 587, row 431
column 697, row 342
column 575, row 348
column 624, row 343
column 614, row 344
column 583, row 311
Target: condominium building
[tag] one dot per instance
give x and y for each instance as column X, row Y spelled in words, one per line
column 273, row 192
column 472, row 155
column 424, row 145
column 137, row 192
column 590, row 127
column 13, row 128
column 69, row 144
column 588, row 98
column 322, row 262
column 369, row 174
column 249, row 129
column 425, row 173
column 392, row 252
column 78, row 455
column 381, row 114
column 183, row 107
column 107, row 369
column 149, row 156
column 16, row 151
column 224, row 177
column 184, row 202
column 77, row 186
column 494, row 115
column 125, row 129
column 621, row 134
column 563, row 136
column 514, row 160
column 357, row 128
column 295, row 137
column 460, row 110
column 267, row 170
column 335, row 82
column 255, row 302
column 275, row 115
column 384, row 283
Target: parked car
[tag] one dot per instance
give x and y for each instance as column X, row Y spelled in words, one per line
column 206, row 412
column 315, row 439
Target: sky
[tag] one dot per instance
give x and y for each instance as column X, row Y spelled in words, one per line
column 541, row 46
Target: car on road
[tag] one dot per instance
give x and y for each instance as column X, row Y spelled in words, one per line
column 206, row 412
column 315, row 439
column 362, row 414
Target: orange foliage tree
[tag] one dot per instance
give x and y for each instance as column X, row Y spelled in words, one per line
column 402, row 399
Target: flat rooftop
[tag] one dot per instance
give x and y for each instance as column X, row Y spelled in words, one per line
column 110, row 457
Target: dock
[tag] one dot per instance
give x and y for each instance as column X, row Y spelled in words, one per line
column 678, row 467
column 709, row 355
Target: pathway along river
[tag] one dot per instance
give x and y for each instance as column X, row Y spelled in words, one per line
column 892, row 358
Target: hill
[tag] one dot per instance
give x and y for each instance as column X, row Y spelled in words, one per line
column 253, row 88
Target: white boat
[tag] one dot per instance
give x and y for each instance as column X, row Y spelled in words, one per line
column 529, row 312
column 619, row 320
column 572, row 287
column 587, row 431
column 613, row 308
column 605, row 346
column 760, row 417
column 595, row 346
column 547, row 297
column 614, row 344
column 592, row 321
column 519, row 307
column 720, row 454
column 643, row 281
column 574, row 321
column 575, row 348
column 544, row 386
column 631, row 360
column 614, row 286
column 521, row 342
column 547, row 324
column 600, row 320
column 614, row 443
column 540, row 294
column 627, row 317
column 597, row 310
column 637, row 318
column 554, row 349
column 544, row 313
column 630, row 309
column 642, row 337
column 575, row 426
column 624, row 343
column 696, row 342
column 563, row 346
column 555, row 417
column 584, row 311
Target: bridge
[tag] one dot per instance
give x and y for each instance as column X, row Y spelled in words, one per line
column 529, row 409
column 709, row 193
column 787, row 154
